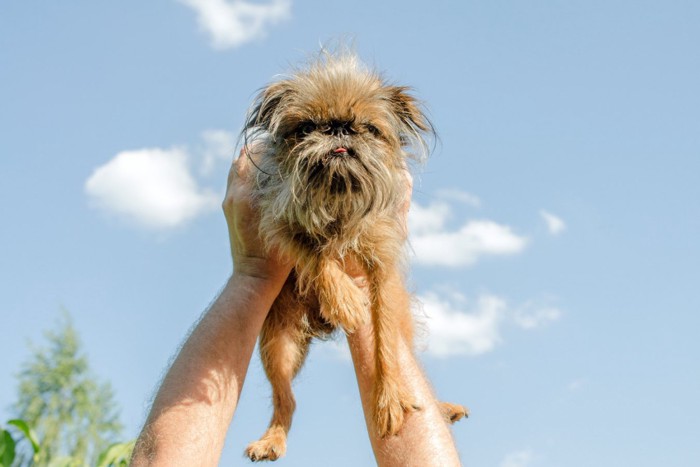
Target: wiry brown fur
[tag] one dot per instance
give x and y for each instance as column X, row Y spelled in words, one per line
column 323, row 207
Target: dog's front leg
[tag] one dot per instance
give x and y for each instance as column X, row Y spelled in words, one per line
column 392, row 396
column 341, row 301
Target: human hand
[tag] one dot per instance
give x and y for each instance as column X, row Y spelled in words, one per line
column 243, row 218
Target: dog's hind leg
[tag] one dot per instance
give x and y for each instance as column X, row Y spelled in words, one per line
column 284, row 343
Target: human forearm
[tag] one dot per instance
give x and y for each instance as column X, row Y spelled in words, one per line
column 190, row 415
column 425, row 439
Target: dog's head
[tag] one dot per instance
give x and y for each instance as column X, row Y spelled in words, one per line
column 335, row 141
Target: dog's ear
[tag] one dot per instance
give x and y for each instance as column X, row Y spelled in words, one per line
column 408, row 110
column 414, row 125
column 264, row 114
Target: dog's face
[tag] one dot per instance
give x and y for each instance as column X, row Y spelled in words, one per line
column 335, row 140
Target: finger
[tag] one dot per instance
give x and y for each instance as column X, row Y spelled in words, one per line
column 241, row 164
column 407, row 194
column 243, row 182
column 406, row 207
column 409, row 184
column 233, row 170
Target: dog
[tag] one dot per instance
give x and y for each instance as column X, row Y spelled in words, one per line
column 331, row 143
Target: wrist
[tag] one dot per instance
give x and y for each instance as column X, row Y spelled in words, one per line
column 261, row 270
column 257, row 281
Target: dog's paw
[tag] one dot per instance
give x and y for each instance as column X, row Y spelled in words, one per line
column 270, row 447
column 390, row 412
column 453, row 412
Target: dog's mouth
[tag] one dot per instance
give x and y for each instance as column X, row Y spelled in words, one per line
column 341, row 151
column 340, row 160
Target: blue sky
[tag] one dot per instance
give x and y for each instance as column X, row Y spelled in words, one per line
column 555, row 227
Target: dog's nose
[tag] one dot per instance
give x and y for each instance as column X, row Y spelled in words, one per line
column 340, row 128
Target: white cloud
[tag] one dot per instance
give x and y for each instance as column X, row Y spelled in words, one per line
column 432, row 218
column 518, row 459
column 233, row 23
column 435, row 245
column 554, row 224
column 151, row 187
column 453, row 331
column 457, row 326
column 464, row 247
column 532, row 316
column 459, row 195
column 429, row 219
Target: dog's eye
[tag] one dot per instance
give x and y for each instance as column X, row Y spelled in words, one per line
column 306, row 127
column 373, row 129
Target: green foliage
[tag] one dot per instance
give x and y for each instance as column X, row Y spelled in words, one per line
column 7, row 448
column 73, row 414
column 8, row 443
column 27, row 431
column 116, row 455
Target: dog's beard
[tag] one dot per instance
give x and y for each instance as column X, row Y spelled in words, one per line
column 321, row 196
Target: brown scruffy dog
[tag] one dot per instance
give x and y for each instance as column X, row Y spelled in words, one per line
column 331, row 143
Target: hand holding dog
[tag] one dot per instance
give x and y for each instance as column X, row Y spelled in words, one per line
column 242, row 218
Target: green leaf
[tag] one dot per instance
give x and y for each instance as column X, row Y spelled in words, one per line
column 8, row 451
column 117, row 454
column 26, row 430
